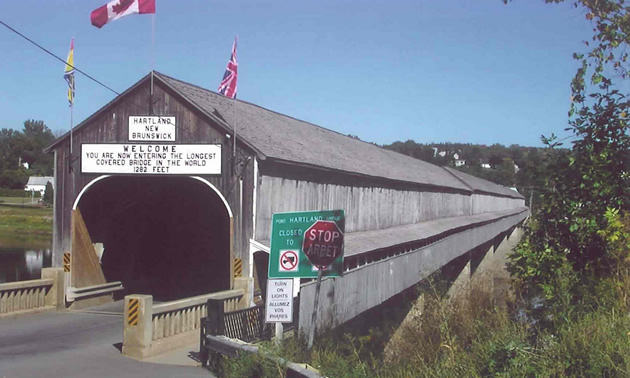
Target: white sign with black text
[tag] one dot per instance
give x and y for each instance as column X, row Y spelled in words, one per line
column 152, row 128
column 279, row 307
column 156, row 159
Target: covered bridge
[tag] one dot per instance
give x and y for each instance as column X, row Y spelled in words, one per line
column 173, row 187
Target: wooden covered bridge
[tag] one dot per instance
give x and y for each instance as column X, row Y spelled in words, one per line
column 170, row 189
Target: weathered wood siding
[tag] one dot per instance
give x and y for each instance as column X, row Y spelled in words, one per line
column 367, row 208
column 484, row 203
column 368, row 205
column 110, row 125
column 368, row 286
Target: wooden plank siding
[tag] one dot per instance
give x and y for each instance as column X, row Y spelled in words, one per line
column 367, row 286
column 368, row 207
column 110, row 125
column 484, row 203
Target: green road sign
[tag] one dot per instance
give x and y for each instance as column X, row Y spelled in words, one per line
column 286, row 259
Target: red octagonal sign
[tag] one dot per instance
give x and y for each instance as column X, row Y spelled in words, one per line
column 323, row 243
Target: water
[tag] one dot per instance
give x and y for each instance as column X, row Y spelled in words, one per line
column 21, row 264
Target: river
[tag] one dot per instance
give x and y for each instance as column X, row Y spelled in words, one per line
column 21, row 264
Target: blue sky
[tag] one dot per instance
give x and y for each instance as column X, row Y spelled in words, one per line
column 470, row 71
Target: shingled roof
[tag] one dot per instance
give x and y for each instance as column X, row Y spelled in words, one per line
column 483, row 186
column 287, row 139
column 282, row 138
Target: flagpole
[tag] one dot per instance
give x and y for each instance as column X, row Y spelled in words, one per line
column 152, row 61
column 234, row 132
column 71, row 160
column 234, row 120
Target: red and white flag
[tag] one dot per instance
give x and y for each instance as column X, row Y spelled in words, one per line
column 120, row 8
column 228, row 83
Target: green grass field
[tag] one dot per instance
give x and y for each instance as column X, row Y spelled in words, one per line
column 25, row 225
column 19, row 201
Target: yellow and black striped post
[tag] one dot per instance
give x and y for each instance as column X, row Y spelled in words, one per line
column 132, row 309
column 138, row 325
column 66, row 262
column 238, row 267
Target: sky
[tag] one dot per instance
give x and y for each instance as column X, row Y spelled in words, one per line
column 466, row 71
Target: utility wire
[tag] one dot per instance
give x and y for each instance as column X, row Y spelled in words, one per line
column 58, row 58
column 78, row 70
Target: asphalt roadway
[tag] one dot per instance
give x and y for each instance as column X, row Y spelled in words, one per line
column 74, row 344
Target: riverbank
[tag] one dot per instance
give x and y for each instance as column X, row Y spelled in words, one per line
column 25, row 226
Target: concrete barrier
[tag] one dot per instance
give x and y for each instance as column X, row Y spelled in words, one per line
column 22, row 297
column 151, row 329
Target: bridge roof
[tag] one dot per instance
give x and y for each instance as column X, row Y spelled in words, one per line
column 283, row 138
column 483, row 186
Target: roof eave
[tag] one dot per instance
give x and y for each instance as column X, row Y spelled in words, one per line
column 327, row 169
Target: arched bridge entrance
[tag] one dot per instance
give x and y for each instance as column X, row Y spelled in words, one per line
column 164, row 236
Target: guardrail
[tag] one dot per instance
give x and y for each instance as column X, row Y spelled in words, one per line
column 173, row 318
column 246, row 325
column 153, row 329
column 34, row 295
column 78, row 293
column 221, row 345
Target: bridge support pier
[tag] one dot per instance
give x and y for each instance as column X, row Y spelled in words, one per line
column 480, row 270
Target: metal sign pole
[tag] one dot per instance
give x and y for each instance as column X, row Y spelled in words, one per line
column 318, row 286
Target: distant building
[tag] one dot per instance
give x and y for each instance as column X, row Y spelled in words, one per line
column 486, row 166
column 459, row 162
column 38, row 184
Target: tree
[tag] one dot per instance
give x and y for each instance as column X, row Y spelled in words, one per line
column 35, row 137
column 566, row 254
column 27, row 146
column 49, row 194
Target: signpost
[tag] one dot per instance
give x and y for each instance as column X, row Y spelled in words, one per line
column 287, row 257
column 307, row 245
column 279, row 306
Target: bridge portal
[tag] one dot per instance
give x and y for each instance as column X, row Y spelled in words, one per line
column 164, row 236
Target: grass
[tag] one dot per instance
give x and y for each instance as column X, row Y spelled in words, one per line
column 20, row 201
column 20, row 226
column 470, row 338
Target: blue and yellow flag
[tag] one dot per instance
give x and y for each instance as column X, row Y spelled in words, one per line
column 68, row 73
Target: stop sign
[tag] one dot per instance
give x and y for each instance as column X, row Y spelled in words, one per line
column 323, row 243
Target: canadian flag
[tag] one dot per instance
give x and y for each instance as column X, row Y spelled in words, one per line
column 120, row 8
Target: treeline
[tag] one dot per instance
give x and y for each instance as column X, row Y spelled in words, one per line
column 21, row 154
column 513, row 166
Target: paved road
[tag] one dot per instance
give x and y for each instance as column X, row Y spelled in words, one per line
column 73, row 344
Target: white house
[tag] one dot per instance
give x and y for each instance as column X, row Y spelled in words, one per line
column 460, row 162
column 38, row 184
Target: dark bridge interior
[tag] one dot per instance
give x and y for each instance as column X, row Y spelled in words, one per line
column 164, row 236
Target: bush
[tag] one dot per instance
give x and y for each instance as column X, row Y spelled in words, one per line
column 49, row 194
column 6, row 192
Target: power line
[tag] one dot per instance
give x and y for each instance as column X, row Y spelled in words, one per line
column 58, row 58
column 78, row 70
